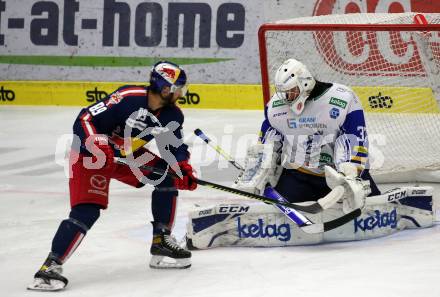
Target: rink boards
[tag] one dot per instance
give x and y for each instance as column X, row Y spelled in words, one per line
column 382, row 99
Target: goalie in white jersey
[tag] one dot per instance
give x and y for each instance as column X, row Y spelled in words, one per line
column 309, row 124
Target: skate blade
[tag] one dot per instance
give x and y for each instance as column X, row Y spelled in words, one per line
column 40, row 285
column 162, row 262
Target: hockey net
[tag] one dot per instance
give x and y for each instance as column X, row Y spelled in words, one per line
column 392, row 63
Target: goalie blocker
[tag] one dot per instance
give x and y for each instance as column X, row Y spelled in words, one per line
column 260, row 225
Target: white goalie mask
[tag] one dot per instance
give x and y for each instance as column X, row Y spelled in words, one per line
column 294, row 83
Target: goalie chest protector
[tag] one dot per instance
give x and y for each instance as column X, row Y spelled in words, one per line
column 310, row 136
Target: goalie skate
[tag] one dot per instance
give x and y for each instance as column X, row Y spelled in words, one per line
column 49, row 277
column 166, row 253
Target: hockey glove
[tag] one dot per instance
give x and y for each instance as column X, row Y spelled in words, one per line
column 188, row 181
column 261, row 168
column 102, row 152
column 356, row 189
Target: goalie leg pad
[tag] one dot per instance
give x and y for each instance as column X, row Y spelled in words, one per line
column 261, row 225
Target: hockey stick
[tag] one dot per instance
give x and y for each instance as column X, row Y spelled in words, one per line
column 306, row 225
column 315, row 207
column 333, row 224
column 217, row 148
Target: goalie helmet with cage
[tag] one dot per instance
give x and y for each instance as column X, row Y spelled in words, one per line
column 167, row 74
column 294, row 83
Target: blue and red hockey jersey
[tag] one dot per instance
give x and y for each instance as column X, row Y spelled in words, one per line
column 124, row 117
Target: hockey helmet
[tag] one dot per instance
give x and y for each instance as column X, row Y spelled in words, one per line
column 167, row 74
column 293, row 76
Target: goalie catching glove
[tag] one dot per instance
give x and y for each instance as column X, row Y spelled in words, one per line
column 261, row 168
column 356, row 189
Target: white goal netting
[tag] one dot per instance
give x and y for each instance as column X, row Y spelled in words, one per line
column 393, row 68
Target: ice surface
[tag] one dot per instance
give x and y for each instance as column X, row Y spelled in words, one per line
column 113, row 258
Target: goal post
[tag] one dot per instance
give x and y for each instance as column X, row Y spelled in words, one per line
column 392, row 63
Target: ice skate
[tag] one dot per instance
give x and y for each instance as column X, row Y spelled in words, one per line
column 49, row 277
column 166, row 253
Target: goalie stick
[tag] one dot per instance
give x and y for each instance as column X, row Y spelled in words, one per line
column 307, row 225
column 303, row 222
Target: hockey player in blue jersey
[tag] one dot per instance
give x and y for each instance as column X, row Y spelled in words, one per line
column 312, row 139
column 119, row 126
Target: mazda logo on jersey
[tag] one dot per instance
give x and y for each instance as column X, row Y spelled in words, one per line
column 98, row 182
column 6, row 95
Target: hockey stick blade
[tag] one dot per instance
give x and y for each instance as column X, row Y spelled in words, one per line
column 306, row 224
column 333, row 224
column 314, row 207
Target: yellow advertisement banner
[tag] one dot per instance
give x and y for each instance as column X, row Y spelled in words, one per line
column 204, row 96
column 382, row 99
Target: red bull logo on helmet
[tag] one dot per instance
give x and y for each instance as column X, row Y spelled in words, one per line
column 168, row 72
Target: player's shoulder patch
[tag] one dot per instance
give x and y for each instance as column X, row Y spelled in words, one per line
column 132, row 90
column 275, row 102
column 340, row 96
column 341, row 90
column 127, row 87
